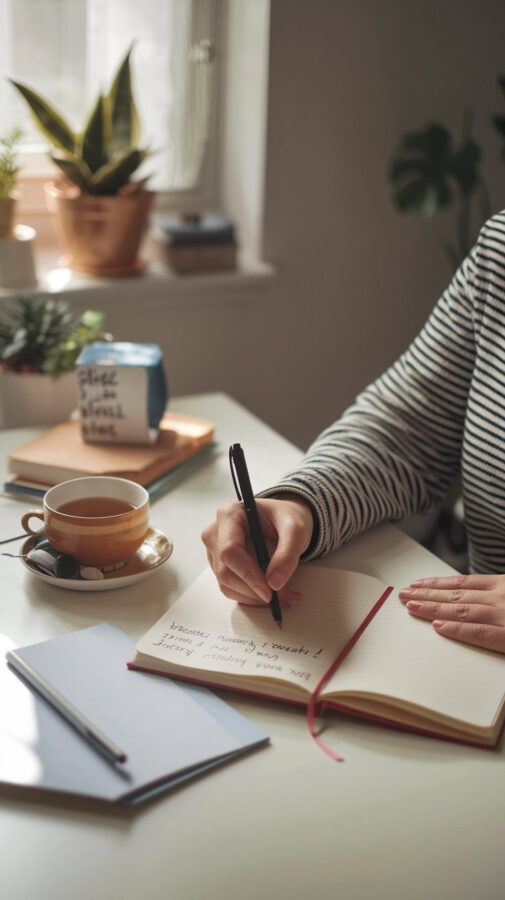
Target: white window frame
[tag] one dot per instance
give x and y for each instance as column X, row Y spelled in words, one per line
column 207, row 27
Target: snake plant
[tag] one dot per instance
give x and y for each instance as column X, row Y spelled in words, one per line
column 102, row 158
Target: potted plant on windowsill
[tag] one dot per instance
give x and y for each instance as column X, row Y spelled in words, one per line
column 40, row 340
column 101, row 215
column 9, row 171
column 17, row 265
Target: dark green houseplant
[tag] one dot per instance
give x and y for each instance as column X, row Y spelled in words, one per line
column 432, row 172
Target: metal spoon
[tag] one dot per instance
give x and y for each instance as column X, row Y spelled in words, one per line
column 17, row 538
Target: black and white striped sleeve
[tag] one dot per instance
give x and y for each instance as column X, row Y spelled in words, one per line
column 394, row 452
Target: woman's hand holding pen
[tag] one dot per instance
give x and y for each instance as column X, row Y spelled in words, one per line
column 287, row 525
column 467, row 608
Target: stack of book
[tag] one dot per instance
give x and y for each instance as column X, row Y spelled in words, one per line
column 194, row 243
column 60, row 454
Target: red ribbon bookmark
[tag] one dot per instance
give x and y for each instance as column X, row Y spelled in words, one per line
column 312, row 710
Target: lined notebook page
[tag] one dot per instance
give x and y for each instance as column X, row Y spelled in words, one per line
column 403, row 657
column 204, row 630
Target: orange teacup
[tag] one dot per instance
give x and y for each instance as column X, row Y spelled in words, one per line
column 99, row 520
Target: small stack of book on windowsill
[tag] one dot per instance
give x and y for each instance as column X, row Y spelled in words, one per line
column 60, row 454
column 194, row 243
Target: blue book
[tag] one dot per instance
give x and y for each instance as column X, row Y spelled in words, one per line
column 169, row 732
column 204, row 231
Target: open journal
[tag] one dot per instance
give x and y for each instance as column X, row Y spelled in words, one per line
column 398, row 671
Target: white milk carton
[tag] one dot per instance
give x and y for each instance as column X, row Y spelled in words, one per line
column 122, row 392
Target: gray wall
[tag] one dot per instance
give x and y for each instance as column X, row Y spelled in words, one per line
column 355, row 279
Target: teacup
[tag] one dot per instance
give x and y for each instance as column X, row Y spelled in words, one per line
column 99, row 520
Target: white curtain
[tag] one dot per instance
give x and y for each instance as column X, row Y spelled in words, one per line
column 69, row 49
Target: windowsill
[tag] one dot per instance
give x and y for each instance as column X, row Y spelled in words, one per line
column 157, row 285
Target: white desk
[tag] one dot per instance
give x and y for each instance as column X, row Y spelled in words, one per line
column 403, row 818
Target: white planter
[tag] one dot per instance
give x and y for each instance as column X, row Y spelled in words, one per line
column 28, row 399
column 17, row 266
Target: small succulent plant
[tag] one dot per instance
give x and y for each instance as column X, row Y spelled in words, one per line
column 9, row 168
column 103, row 157
column 42, row 335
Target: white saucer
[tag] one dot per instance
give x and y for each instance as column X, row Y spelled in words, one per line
column 155, row 551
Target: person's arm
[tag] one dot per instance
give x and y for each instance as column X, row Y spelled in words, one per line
column 394, row 452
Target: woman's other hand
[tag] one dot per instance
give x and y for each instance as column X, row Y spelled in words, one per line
column 468, row 608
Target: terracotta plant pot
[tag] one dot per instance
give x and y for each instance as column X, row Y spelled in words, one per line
column 7, row 215
column 100, row 235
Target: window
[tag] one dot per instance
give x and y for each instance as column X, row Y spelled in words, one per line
column 68, row 49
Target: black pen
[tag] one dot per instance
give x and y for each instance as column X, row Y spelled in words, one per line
column 245, row 494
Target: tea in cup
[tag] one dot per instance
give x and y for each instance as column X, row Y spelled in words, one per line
column 99, row 520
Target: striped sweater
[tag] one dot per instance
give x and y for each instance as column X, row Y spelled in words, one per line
column 438, row 409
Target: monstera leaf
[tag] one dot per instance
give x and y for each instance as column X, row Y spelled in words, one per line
column 428, row 168
column 420, row 171
column 430, row 173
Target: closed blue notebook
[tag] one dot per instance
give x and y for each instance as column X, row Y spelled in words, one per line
column 169, row 732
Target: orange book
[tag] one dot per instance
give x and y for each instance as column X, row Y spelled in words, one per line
column 60, row 453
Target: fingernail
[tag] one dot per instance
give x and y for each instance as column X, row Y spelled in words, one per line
column 414, row 584
column 276, row 581
column 404, row 594
column 263, row 593
column 413, row 605
column 437, row 623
